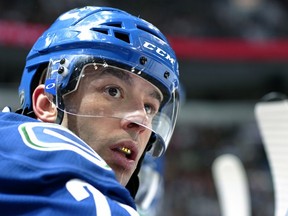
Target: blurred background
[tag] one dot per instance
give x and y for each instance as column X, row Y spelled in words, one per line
column 231, row 53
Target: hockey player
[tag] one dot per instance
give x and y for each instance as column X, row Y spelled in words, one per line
column 99, row 90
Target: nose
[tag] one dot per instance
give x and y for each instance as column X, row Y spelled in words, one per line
column 137, row 121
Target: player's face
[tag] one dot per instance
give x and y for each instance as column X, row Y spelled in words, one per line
column 121, row 107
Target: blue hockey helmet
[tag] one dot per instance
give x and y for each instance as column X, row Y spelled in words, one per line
column 104, row 36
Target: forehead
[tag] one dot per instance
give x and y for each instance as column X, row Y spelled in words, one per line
column 100, row 71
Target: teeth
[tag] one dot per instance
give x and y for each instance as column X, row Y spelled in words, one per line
column 125, row 150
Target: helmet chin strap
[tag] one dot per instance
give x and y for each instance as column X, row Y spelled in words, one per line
column 60, row 108
column 133, row 183
column 60, row 115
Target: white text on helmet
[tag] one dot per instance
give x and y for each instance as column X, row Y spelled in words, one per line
column 159, row 51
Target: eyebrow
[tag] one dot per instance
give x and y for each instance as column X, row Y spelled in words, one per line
column 155, row 94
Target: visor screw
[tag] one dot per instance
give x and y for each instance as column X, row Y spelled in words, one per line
column 62, row 61
column 143, row 60
column 61, row 69
column 166, row 74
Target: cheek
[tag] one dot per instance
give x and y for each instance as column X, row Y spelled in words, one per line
column 90, row 106
column 86, row 128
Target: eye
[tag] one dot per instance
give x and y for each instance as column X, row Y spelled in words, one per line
column 150, row 109
column 113, row 91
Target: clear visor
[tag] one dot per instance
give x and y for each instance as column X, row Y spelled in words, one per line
column 106, row 91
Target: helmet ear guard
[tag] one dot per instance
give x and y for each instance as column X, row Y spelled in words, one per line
column 38, row 78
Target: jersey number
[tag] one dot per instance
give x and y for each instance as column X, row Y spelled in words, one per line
column 79, row 190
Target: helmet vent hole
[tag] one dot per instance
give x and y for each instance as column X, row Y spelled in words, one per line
column 102, row 31
column 122, row 36
column 150, row 31
column 114, row 24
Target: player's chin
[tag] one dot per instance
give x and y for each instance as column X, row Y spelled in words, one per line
column 122, row 167
column 122, row 175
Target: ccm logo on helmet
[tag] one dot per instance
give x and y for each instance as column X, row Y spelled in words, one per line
column 159, row 51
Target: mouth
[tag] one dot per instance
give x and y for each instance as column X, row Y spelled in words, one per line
column 127, row 150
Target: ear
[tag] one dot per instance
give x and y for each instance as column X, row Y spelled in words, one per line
column 42, row 106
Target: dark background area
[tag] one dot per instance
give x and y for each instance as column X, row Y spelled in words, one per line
column 204, row 77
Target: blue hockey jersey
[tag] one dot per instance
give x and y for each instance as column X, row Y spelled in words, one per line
column 46, row 170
